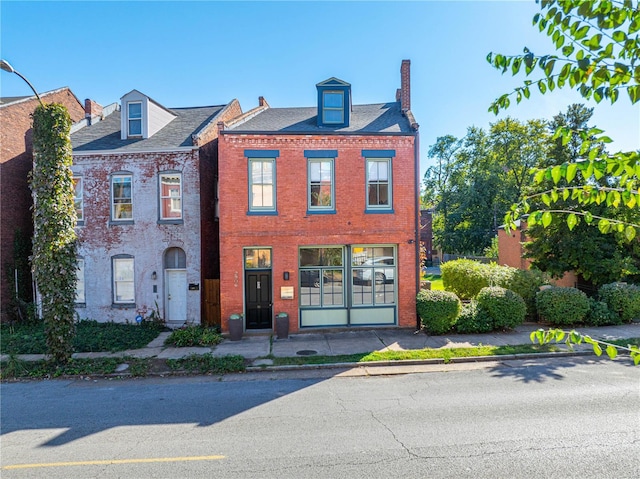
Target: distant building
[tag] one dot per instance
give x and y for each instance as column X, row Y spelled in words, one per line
column 426, row 232
column 145, row 181
column 16, row 160
column 319, row 212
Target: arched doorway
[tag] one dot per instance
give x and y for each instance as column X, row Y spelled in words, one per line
column 175, row 285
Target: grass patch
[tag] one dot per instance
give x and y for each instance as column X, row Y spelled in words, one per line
column 436, row 281
column 91, row 336
column 194, row 336
column 15, row 368
column 208, row 364
column 417, row 354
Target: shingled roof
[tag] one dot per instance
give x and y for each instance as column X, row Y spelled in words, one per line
column 105, row 135
column 365, row 119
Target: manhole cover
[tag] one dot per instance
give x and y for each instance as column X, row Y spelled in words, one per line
column 307, row 352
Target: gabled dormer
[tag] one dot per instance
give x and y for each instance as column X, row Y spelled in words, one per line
column 334, row 103
column 142, row 117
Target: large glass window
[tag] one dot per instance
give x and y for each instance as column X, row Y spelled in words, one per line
column 80, row 282
column 262, row 185
column 333, row 107
column 78, row 201
column 123, row 280
column 373, row 275
column 170, row 196
column 134, row 117
column 321, row 184
column 121, row 197
column 379, row 183
column 321, row 277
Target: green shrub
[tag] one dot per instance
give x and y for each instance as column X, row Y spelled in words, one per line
column 438, row 310
column 505, row 308
column 194, row 336
column 623, row 299
column 562, row 306
column 464, row 277
column 473, row 320
column 599, row 314
column 527, row 284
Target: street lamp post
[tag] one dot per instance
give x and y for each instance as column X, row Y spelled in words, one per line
column 6, row 66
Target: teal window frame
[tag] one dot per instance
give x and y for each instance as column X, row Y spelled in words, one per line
column 332, row 108
column 320, row 184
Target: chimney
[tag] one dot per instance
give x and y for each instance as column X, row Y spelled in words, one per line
column 405, row 85
column 91, row 108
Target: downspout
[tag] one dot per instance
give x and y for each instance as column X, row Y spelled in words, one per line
column 416, row 146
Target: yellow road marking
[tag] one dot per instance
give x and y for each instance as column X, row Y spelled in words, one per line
column 114, row 461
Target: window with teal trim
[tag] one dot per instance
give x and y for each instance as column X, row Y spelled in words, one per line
column 379, row 192
column 321, row 185
column 333, row 107
column 262, row 191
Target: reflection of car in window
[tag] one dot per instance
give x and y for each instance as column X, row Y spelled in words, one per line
column 311, row 278
column 381, row 275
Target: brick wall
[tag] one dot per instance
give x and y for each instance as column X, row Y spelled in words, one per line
column 292, row 227
column 15, row 165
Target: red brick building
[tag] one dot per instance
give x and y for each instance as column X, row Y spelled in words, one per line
column 319, row 212
column 15, row 199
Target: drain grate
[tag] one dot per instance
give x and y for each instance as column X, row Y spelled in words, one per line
column 306, row 352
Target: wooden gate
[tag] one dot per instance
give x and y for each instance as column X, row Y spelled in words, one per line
column 211, row 303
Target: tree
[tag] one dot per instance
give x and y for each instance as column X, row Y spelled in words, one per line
column 600, row 57
column 476, row 178
column 54, row 260
column 598, row 50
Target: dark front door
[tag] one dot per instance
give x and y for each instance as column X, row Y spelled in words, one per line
column 258, row 299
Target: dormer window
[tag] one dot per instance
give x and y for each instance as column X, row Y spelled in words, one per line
column 334, row 103
column 134, row 116
column 333, row 107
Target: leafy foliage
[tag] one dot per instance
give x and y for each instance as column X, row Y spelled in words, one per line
column 476, row 178
column 194, row 336
column 464, row 277
column 438, row 310
column 562, row 306
column 208, row 364
column 54, row 246
column 599, row 314
column 526, row 283
column 91, row 336
column 473, row 320
column 623, row 299
column 597, row 44
column 574, row 337
column 505, row 308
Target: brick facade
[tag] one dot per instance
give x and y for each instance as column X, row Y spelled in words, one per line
column 293, row 227
column 15, row 164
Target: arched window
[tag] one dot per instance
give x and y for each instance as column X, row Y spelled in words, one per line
column 175, row 258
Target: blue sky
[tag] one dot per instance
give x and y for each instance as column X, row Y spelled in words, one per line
column 209, row 52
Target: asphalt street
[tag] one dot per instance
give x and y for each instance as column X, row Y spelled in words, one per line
column 561, row 417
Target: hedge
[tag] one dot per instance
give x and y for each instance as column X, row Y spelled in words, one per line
column 438, row 310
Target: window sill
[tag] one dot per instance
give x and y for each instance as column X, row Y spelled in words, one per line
column 120, row 222
column 262, row 213
column 171, row 222
column 123, row 305
column 321, row 212
column 80, row 305
column 80, row 223
column 379, row 212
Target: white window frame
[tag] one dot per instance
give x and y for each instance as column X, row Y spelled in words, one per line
column 80, row 283
column 119, row 278
column 262, row 209
column 115, row 177
column 175, row 202
column 388, row 182
column 78, row 197
column 311, row 183
column 131, row 119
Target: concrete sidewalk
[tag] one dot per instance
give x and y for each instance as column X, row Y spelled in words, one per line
column 254, row 347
